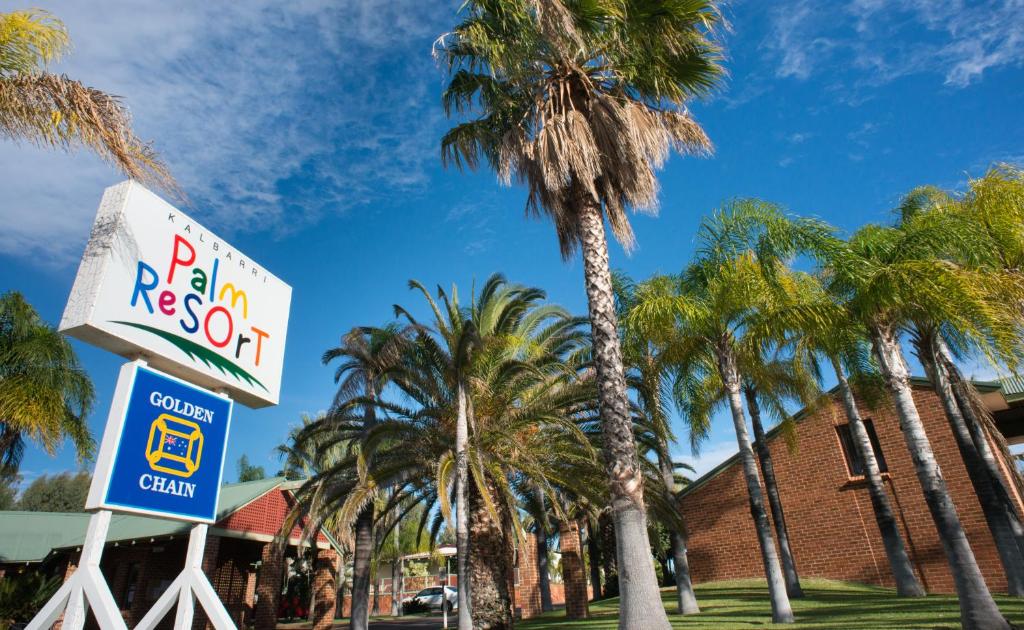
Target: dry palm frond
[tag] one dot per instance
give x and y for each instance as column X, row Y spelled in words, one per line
column 55, row 111
column 581, row 102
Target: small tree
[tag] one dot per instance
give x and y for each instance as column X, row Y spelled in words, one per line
column 249, row 472
column 58, row 493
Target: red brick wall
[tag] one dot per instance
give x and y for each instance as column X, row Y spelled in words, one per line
column 831, row 524
column 264, row 516
column 325, row 589
column 574, row 572
column 527, row 587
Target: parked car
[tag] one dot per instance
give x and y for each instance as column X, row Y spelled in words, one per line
column 432, row 598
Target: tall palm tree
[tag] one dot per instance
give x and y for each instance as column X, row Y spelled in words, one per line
column 886, row 279
column 53, row 110
column 708, row 319
column 773, row 383
column 369, row 358
column 818, row 323
column 713, row 314
column 581, row 102
column 928, row 210
column 652, row 372
column 45, row 394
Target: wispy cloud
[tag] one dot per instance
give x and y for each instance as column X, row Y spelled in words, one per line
column 710, row 456
column 892, row 38
column 270, row 114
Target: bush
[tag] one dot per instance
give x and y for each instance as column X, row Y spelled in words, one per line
column 21, row 596
column 414, row 606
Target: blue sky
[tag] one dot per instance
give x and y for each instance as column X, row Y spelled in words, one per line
column 307, row 133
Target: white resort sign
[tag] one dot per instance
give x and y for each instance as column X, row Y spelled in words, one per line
column 155, row 284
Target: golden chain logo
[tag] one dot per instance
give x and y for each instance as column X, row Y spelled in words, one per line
column 175, row 446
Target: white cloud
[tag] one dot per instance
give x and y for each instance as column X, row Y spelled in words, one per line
column 710, row 456
column 890, row 39
column 270, row 114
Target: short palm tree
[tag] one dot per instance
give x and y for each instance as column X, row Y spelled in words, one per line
column 52, row 110
column 887, row 278
column 368, row 359
column 521, row 398
column 581, row 102
column 45, row 395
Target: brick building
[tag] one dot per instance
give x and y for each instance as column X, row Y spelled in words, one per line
column 143, row 555
column 828, row 510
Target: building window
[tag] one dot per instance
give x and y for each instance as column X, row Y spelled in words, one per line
column 131, row 586
column 854, row 462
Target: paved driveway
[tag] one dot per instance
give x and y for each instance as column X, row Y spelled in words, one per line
column 416, row 622
column 412, row 623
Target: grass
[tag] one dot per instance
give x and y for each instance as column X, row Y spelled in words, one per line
column 743, row 604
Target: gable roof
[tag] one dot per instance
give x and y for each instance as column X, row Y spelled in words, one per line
column 31, row 536
column 915, row 381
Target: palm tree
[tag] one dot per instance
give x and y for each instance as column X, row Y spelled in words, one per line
column 581, row 103
column 929, row 210
column 652, row 371
column 772, row 383
column 713, row 314
column 710, row 318
column 886, row 279
column 369, row 358
column 45, row 395
column 522, row 402
column 818, row 323
column 54, row 111
column 519, row 406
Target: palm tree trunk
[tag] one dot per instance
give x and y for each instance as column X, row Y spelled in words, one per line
column 608, row 555
column 781, row 610
column 993, row 509
column 361, row 570
column 462, row 512
column 771, row 486
column 490, row 565
column 396, row 605
column 978, row 611
column 640, row 598
column 907, row 584
column 686, row 599
column 966, row 400
column 542, row 568
column 594, row 557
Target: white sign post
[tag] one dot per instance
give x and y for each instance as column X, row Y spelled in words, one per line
column 155, row 285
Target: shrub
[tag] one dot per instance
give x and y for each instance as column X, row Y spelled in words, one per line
column 21, row 596
column 414, row 606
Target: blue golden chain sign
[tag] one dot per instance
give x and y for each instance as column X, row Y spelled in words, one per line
column 169, row 456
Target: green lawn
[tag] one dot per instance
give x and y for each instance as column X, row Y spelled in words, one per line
column 828, row 604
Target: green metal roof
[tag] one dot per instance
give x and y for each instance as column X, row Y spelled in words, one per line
column 30, row 536
column 1013, row 388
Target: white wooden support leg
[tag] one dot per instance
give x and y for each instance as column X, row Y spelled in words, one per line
column 190, row 585
column 85, row 588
